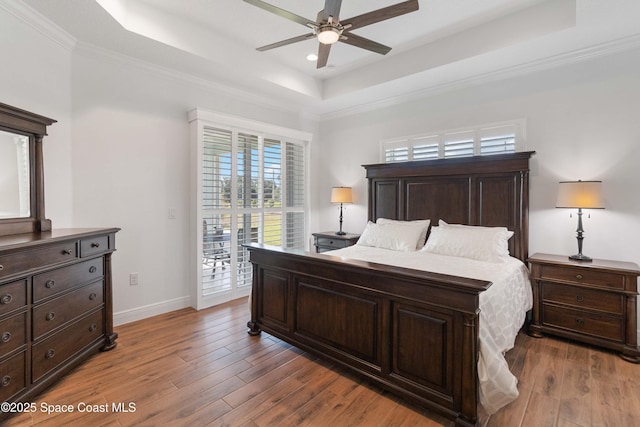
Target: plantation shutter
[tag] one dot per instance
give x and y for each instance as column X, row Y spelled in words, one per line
column 252, row 188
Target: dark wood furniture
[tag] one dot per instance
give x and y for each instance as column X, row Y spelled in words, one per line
column 55, row 284
column 411, row 332
column 55, row 305
column 329, row 240
column 592, row 302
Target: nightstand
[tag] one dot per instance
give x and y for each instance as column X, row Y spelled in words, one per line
column 329, row 240
column 593, row 302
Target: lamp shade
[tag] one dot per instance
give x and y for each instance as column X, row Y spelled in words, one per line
column 580, row 194
column 341, row 195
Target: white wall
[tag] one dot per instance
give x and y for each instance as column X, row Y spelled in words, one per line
column 35, row 75
column 582, row 121
column 119, row 154
column 131, row 162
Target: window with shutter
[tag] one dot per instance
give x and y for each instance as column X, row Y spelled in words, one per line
column 494, row 138
column 252, row 188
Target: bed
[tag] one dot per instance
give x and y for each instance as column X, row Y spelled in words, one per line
column 412, row 331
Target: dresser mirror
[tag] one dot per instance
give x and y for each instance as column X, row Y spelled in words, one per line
column 21, row 171
column 15, row 185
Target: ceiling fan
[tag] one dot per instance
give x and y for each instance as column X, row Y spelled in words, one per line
column 329, row 28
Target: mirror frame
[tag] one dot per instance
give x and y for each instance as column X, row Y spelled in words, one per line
column 33, row 126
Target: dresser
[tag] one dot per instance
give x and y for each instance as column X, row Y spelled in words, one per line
column 329, row 240
column 55, row 305
column 593, row 302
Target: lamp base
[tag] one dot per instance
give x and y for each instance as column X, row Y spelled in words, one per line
column 340, row 233
column 580, row 257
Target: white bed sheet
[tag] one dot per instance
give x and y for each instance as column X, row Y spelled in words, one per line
column 503, row 309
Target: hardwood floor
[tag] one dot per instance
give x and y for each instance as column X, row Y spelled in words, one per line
column 190, row 368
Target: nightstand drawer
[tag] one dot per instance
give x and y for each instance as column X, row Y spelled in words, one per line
column 583, row 298
column 602, row 326
column 332, row 243
column 583, row 276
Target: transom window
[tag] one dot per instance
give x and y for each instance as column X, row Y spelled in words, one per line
column 495, row 138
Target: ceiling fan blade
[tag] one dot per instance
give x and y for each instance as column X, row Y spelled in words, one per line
column 281, row 12
column 357, row 41
column 331, row 8
column 381, row 14
column 323, row 54
column 286, row 42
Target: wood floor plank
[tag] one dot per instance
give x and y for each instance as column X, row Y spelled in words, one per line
column 189, row 368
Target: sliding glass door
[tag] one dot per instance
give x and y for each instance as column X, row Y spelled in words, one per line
column 251, row 188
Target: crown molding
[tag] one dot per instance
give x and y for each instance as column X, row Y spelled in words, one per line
column 91, row 51
column 39, row 22
column 553, row 62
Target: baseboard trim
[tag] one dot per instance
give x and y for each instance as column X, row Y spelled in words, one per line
column 139, row 313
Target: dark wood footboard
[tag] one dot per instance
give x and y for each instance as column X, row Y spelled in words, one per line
column 411, row 332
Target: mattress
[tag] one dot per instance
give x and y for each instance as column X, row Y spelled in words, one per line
column 503, row 309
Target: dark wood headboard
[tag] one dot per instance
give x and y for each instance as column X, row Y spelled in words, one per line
column 482, row 190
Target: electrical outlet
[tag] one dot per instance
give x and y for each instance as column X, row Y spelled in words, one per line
column 133, row 279
column 172, row 213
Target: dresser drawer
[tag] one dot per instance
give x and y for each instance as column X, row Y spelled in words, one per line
column 13, row 333
column 61, row 310
column 583, row 298
column 13, row 296
column 59, row 347
column 583, row 276
column 21, row 262
column 53, row 282
column 12, row 376
column 93, row 246
column 603, row 326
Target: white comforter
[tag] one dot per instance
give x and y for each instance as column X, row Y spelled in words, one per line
column 502, row 309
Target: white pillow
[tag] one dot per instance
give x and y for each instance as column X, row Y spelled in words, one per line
column 421, row 226
column 389, row 236
column 480, row 243
column 441, row 223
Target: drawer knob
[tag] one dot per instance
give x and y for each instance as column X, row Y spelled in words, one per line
column 50, row 316
column 579, row 321
column 93, row 327
column 6, row 299
column 92, row 296
column 579, row 276
column 6, row 337
column 1, row 267
column 95, row 245
column 579, row 298
column 6, row 380
column 50, row 354
column 50, row 284
column 93, row 269
column 66, row 251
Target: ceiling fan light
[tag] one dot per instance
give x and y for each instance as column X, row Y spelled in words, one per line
column 328, row 36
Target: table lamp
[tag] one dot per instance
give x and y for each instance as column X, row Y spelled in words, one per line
column 341, row 195
column 580, row 195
